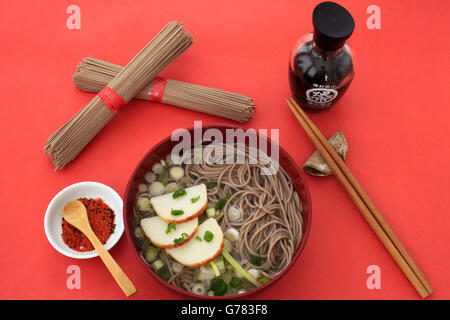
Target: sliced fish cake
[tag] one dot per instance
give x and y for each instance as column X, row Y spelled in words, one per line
column 204, row 247
column 183, row 207
column 164, row 234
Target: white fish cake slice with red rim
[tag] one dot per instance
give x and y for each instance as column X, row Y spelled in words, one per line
column 162, row 235
column 198, row 251
column 182, row 208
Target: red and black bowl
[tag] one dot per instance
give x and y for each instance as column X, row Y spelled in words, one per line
column 160, row 151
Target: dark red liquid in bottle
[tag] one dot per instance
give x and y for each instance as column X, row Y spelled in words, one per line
column 321, row 66
column 318, row 79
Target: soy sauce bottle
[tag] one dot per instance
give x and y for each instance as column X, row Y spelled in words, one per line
column 321, row 64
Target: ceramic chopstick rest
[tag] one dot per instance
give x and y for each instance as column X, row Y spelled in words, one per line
column 317, row 166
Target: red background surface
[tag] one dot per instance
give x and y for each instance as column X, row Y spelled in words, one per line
column 395, row 117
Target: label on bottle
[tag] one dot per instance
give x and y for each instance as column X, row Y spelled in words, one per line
column 321, row 96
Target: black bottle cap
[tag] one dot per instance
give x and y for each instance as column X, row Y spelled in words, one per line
column 333, row 24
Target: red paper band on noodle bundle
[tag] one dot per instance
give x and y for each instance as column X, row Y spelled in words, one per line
column 111, row 99
column 157, row 91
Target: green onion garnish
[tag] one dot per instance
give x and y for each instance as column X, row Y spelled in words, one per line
column 239, row 268
column 218, row 286
column 179, row 193
column 183, row 237
column 215, row 268
column 164, row 273
column 170, row 226
column 186, row 287
column 176, row 212
column 208, row 236
column 211, row 185
column 220, row 215
column 194, row 200
column 255, row 259
column 263, row 280
column 198, row 238
column 221, row 203
column 235, row 282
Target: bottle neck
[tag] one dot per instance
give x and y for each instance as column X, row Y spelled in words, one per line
column 325, row 54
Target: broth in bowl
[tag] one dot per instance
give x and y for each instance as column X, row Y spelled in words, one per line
column 214, row 227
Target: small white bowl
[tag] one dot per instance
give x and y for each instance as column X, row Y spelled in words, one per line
column 93, row 190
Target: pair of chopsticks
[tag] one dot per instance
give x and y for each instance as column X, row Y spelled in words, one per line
column 363, row 202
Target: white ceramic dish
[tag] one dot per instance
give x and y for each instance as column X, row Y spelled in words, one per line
column 53, row 216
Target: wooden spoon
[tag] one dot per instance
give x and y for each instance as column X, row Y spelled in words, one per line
column 75, row 213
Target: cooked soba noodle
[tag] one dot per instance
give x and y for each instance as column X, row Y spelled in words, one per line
column 271, row 214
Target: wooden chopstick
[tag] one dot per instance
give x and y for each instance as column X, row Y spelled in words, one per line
column 364, row 204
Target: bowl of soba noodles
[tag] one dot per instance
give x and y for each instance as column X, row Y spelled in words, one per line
column 217, row 211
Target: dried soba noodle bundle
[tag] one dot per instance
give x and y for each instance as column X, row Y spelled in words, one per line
column 66, row 143
column 93, row 74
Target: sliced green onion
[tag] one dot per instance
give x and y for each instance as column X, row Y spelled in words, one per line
column 220, row 215
column 158, row 264
column 198, row 238
column 221, row 203
column 176, row 212
column 179, row 193
column 227, row 276
column 139, row 233
column 176, row 173
column 164, row 177
column 239, row 268
column 142, row 187
column 156, row 188
column 177, row 267
column 164, row 273
column 199, row 288
column 183, row 237
column 235, row 282
column 194, row 200
column 255, row 259
column 211, row 185
column 211, row 212
column 263, row 280
column 220, row 264
column 255, row 273
column 171, row 226
column 157, row 168
column 204, row 273
column 171, row 187
column 144, row 204
column 151, row 253
column 150, row 177
column 218, row 286
column 215, row 268
column 208, row 236
column 186, row 286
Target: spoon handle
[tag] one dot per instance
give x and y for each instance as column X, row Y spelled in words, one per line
column 121, row 278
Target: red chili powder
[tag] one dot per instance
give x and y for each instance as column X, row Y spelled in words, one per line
column 101, row 217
